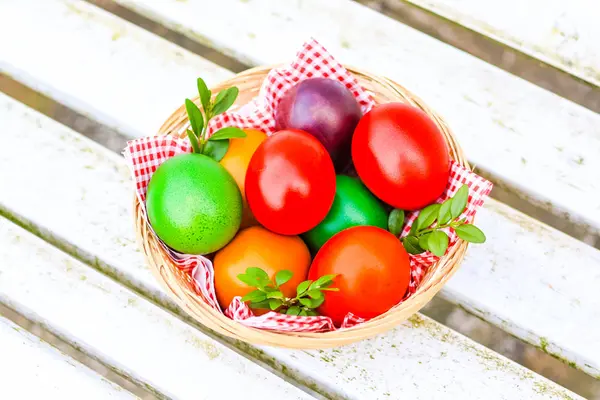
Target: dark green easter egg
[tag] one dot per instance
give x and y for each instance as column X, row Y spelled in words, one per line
column 193, row 204
column 353, row 205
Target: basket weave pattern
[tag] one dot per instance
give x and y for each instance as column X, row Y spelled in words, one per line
column 182, row 288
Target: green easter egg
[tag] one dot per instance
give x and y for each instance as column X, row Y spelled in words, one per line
column 353, row 205
column 193, row 204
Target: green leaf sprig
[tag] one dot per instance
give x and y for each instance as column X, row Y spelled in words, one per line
column 426, row 232
column 268, row 295
column 217, row 144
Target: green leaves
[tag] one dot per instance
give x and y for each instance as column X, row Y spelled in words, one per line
column 427, row 216
column 195, row 117
column 230, row 132
column 445, row 213
column 396, row 221
column 293, row 310
column 193, row 141
column 427, row 233
column 255, row 296
column 411, row 244
column 309, row 294
column 470, row 233
column 302, row 287
column 217, row 145
column 283, row 276
column 216, row 149
column 204, row 94
column 437, row 242
column 224, row 100
column 459, row 201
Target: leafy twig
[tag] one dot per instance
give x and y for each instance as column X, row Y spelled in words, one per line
column 215, row 146
column 426, row 232
column 268, row 295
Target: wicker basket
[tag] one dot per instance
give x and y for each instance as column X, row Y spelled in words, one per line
column 180, row 286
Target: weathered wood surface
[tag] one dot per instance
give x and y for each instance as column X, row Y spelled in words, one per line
column 129, row 334
column 89, row 194
column 538, row 144
column 99, row 65
column 558, row 32
column 33, row 369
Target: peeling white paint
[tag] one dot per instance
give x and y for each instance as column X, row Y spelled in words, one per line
column 100, row 226
column 98, row 64
column 33, row 369
column 499, row 119
column 561, row 33
column 123, row 330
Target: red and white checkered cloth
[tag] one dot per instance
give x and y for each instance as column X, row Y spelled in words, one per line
column 146, row 154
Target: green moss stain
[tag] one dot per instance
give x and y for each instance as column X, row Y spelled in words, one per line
column 550, row 390
column 544, row 345
column 416, row 321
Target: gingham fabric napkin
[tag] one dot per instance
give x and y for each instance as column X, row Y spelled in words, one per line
column 146, row 154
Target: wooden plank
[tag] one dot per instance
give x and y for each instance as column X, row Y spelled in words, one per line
column 123, row 330
column 32, row 369
column 88, row 191
column 100, row 65
column 560, row 33
column 541, row 146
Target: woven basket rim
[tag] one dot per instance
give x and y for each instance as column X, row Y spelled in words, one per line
column 177, row 283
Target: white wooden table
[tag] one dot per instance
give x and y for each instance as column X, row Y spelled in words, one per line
column 68, row 259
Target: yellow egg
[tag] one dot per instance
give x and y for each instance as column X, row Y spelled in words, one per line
column 236, row 162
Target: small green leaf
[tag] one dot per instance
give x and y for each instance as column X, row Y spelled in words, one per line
column 414, row 228
column 229, row 132
column 427, row 216
column 325, row 285
column 312, row 313
column 224, row 100
column 314, row 294
column 204, row 94
column 302, row 287
column 331, row 289
column 411, row 244
column 193, row 141
column 395, row 221
column 305, row 302
column 423, row 241
column 275, row 295
column 322, row 281
column 459, row 201
column 444, row 214
column 438, row 243
column 303, row 313
column 259, row 273
column 274, row 304
column 293, row 310
column 470, row 233
column 248, row 280
column 255, row 296
column 283, row 276
column 195, row 117
column 317, row 302
column 216, row 149
column 260, row 304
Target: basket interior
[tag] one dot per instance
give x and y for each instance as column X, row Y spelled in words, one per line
column 182, row 287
